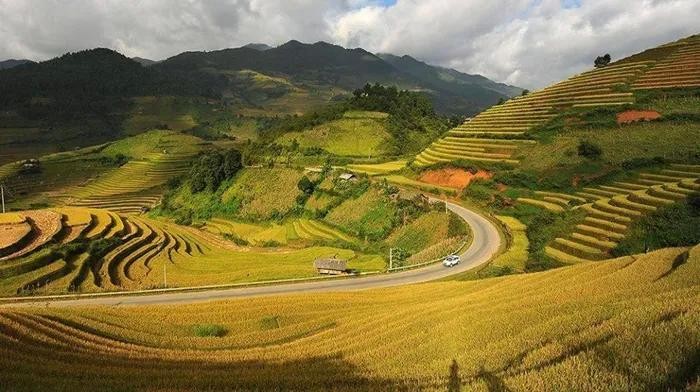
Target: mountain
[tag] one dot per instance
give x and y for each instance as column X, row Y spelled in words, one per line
column 11, row 63
column 449, row 79
column 321, row 67
column 144, row 62
column 260, row 47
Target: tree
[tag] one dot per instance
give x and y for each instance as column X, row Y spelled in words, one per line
column 602, row 61
column 305, row 185
column 589, row 150
column 212, row 168
column 525, row 92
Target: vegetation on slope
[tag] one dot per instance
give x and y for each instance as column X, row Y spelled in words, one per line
column 625, row 324
column 356, row 134
column 675, row 225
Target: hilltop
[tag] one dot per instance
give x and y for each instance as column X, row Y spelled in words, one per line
column 11, row 63
column 320, row 66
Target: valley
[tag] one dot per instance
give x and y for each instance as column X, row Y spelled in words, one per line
column 276, row 218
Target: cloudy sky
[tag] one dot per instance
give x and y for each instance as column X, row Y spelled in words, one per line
column 529, row 43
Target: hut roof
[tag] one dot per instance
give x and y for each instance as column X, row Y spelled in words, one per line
column 331, row 264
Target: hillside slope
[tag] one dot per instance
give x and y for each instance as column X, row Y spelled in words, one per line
column 321, row 66
column 499, row 133
column 626, row 324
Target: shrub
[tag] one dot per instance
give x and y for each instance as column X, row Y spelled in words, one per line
column 209, row 331
column 236, row 239
column 589, row 150
column 670, row 226
column 477, row 192
column 305, row 185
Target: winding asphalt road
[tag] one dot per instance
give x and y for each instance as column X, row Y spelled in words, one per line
column 486, row 242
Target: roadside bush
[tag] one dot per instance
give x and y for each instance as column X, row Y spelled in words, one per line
column 477, row 192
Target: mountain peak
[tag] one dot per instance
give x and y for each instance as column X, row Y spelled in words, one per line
column 11, row 63
column 258, row 46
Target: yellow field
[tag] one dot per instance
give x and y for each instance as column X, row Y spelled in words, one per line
column 89, row 250
column 628, row 324
column 497, row 134
column 516, row 255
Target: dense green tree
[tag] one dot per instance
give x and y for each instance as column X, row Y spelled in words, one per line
column 211, row 168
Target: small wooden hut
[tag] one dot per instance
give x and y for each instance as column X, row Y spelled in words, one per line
column 331, row 266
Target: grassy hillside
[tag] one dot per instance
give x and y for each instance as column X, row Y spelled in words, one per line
column 370, row 215
column 503, row 132
column 358, row 133
column 625, row 324
column 580, row 162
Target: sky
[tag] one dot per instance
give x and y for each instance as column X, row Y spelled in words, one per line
column 528, row 43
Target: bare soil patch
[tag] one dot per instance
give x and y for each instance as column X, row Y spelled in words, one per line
column 631, row 116
column 10, row 234
column 453, row 177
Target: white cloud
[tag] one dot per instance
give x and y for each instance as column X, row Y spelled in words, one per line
column 530, row 43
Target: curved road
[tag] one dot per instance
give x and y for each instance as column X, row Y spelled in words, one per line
column 486, row 242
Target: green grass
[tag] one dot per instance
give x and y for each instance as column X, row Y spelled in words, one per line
column 264, row 193
column 676, row 105
column 557, row 165
column 370, row 215
column 140, row 146
column 209, row 331
column 148, row 113
column 424, row 232
column 378, row 168
column 405, row 181
column 349, row 136
column 670, row 226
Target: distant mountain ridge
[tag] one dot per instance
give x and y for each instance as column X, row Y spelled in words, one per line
column 260, row 47
column 253, row 76
column 144, row 62
column 472, row 87
column 11, row 63
column 331, row 65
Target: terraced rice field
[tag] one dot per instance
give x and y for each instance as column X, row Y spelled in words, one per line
column 611, row 209
column 134, row 186
column 378, row 168
column 298, row 229
column 76, row 249
column 626, row 324
column 680, row 69
column 496, row 135
column 516, row 255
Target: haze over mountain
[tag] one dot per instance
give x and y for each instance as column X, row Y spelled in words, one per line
column 143, row 61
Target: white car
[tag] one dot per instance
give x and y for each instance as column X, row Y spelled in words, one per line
column 450, row 261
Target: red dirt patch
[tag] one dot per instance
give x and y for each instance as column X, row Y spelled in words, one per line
column 453, row 177
column 631, row 116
